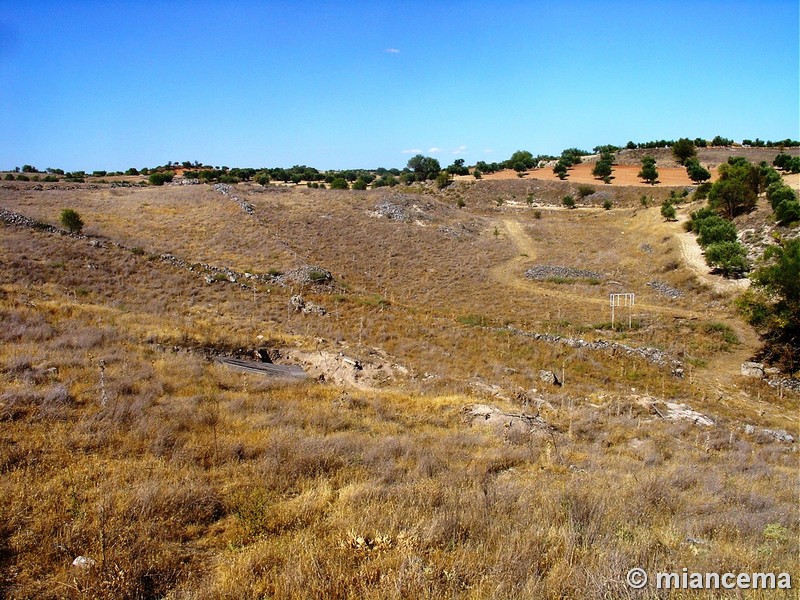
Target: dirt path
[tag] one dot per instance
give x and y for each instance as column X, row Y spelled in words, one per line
column 692, row 255
column 724, row 365
column 512, row 273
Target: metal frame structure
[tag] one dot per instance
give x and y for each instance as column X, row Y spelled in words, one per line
column 628, row 299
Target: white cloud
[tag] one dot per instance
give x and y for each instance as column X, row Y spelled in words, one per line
column 460, row 150
column 488, row 150
column 434, row 150
column 392, row 51
column 412, row 151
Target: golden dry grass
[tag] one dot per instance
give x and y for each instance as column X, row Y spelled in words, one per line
column 183, row 479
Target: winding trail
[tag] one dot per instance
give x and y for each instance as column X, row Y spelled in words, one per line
column 512, row 273
column 692, row 255
column 723, row 365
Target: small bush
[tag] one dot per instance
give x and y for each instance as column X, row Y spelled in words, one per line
column 161, row 178
column 443, row 180
column 71, row 220
column 607, row 204
column 585, row 190
column 668, row 211
column 788, row 211
column 568, row 201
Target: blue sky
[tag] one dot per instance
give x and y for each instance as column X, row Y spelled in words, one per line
column 110, row 85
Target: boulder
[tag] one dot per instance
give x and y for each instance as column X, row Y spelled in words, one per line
column 753, row 369
column 549, row 377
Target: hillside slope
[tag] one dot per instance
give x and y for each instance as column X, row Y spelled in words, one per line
column 472, row 426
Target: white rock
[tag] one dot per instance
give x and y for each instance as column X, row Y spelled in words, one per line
column 83, row 562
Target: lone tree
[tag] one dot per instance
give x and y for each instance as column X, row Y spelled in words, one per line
column 520, row 161
column 737, row 189
column 71, row 220
column 649, row 172
column 684, row 150
column 425, row 167
column 602, row 169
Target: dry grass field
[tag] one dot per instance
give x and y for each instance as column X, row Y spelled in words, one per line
column 123, row 441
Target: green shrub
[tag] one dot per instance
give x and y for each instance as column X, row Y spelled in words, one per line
column 779, row 192
column 697, row 218
column 788, row 211
column 607, row 204
column 71, row 220
column 725, row 331
column 318, row 276
column 160, row 178
column 443, row 180
column 728, row 257
column 668, row 211
column 716, row 229
column 568, row 201
column 339, row 183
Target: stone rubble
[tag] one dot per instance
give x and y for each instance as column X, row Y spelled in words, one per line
column 664, row 289
column 227, row 190
column 544, row 272
column 777, row 434
column 391, row 211
column 299, row 304
column 651, row 355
